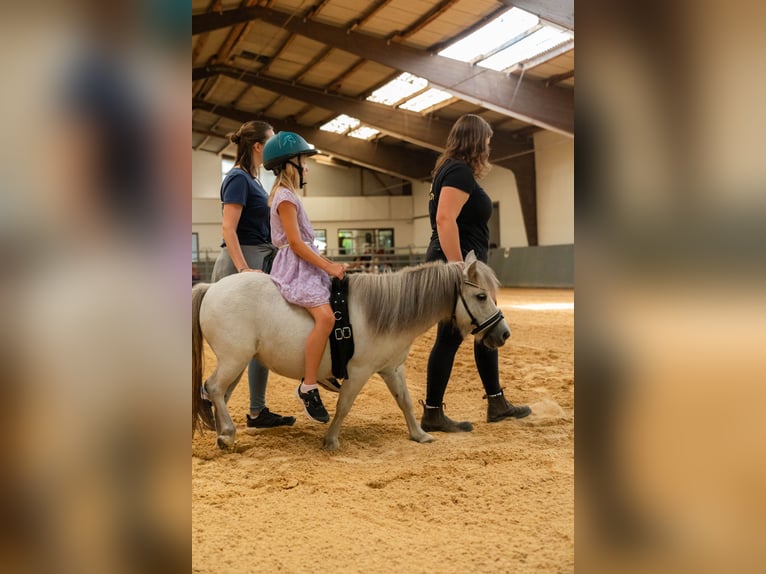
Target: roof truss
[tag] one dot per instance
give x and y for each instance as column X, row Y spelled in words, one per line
column 394, row 160
column 527, row 99
column 409, row 126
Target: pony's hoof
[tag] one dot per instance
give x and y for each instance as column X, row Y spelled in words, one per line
column 423, row 439
column 225, row 442
column 329, row 444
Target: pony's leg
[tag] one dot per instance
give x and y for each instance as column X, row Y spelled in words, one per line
column 206, row 408
column 218, row 388
column 231, row 388
column 346, row 398
column 396, row 383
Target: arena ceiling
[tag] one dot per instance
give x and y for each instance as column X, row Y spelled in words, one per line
column 299, row 64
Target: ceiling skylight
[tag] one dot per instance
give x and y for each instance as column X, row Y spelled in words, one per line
column 363, row 133
column 398, row 89
column 546, row 38
column 425, row 100
column 487, row 39
column 341, row 124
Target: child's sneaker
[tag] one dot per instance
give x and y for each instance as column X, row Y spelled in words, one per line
column 312, row 405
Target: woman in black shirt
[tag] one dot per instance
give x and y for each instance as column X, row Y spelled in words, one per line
column 459, row 210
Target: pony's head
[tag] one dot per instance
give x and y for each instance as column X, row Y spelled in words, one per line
column 476, row 305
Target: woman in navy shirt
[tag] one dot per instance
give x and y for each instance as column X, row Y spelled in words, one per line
column 247, row 244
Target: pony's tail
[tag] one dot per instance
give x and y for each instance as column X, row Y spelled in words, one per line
column 202, row 414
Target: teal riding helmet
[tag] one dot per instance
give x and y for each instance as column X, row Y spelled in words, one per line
column 283, row 146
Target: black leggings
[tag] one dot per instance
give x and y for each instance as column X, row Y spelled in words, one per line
column 448, row 339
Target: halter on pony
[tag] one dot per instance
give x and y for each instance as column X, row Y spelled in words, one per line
column 479, row 328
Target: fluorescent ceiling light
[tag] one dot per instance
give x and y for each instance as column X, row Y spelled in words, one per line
column 363, row 133
column 398, row 89
column 488, row 38
column 546, row 38
column 426, row 100
column 341, row 124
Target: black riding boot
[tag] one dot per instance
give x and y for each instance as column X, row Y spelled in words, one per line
column 498, row 409
column 434, row 419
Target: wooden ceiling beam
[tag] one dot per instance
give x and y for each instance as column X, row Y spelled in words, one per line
column 369, row 13
column 408, row 126
column 215, row 5
column 526, row 99
column 407, row 163
column 553, row 80
column 320, row 57
column 336, row 83
column 314, row 10
column 424, row 20
column 209, row 133
column 234, row 37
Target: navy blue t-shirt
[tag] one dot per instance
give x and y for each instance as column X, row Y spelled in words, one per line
column 254, row 227
column 472, row 221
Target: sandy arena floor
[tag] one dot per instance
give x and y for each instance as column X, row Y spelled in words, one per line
column 499, row 499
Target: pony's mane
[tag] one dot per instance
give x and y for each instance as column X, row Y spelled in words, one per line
column 416, row 295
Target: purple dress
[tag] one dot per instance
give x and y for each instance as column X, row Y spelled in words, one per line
column 299, row 281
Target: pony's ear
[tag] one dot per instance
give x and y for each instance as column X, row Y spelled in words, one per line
column 469, row 267
column 470, row 272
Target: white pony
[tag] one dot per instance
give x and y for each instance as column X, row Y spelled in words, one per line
column 244, row 316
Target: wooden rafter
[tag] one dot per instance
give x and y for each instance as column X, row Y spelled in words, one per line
column 335, row 83
column 553, row 80
column 395, row 160
column 526, row 99
column 237, row 32
column 366, row 15
column 409, row 126
column 321, row 56
column 425, row 20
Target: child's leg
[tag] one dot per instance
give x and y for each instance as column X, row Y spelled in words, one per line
column 324, row 321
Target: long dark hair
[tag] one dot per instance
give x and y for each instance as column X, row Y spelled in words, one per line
column 467, row 141
column 246, row 137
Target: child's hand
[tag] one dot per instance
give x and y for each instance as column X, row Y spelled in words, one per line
column 337, row 270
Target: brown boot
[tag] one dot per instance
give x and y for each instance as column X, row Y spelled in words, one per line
column 499, row 409
column 434, row 419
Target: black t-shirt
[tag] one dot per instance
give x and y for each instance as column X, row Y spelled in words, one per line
column 473, row 218
column 254, row 227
